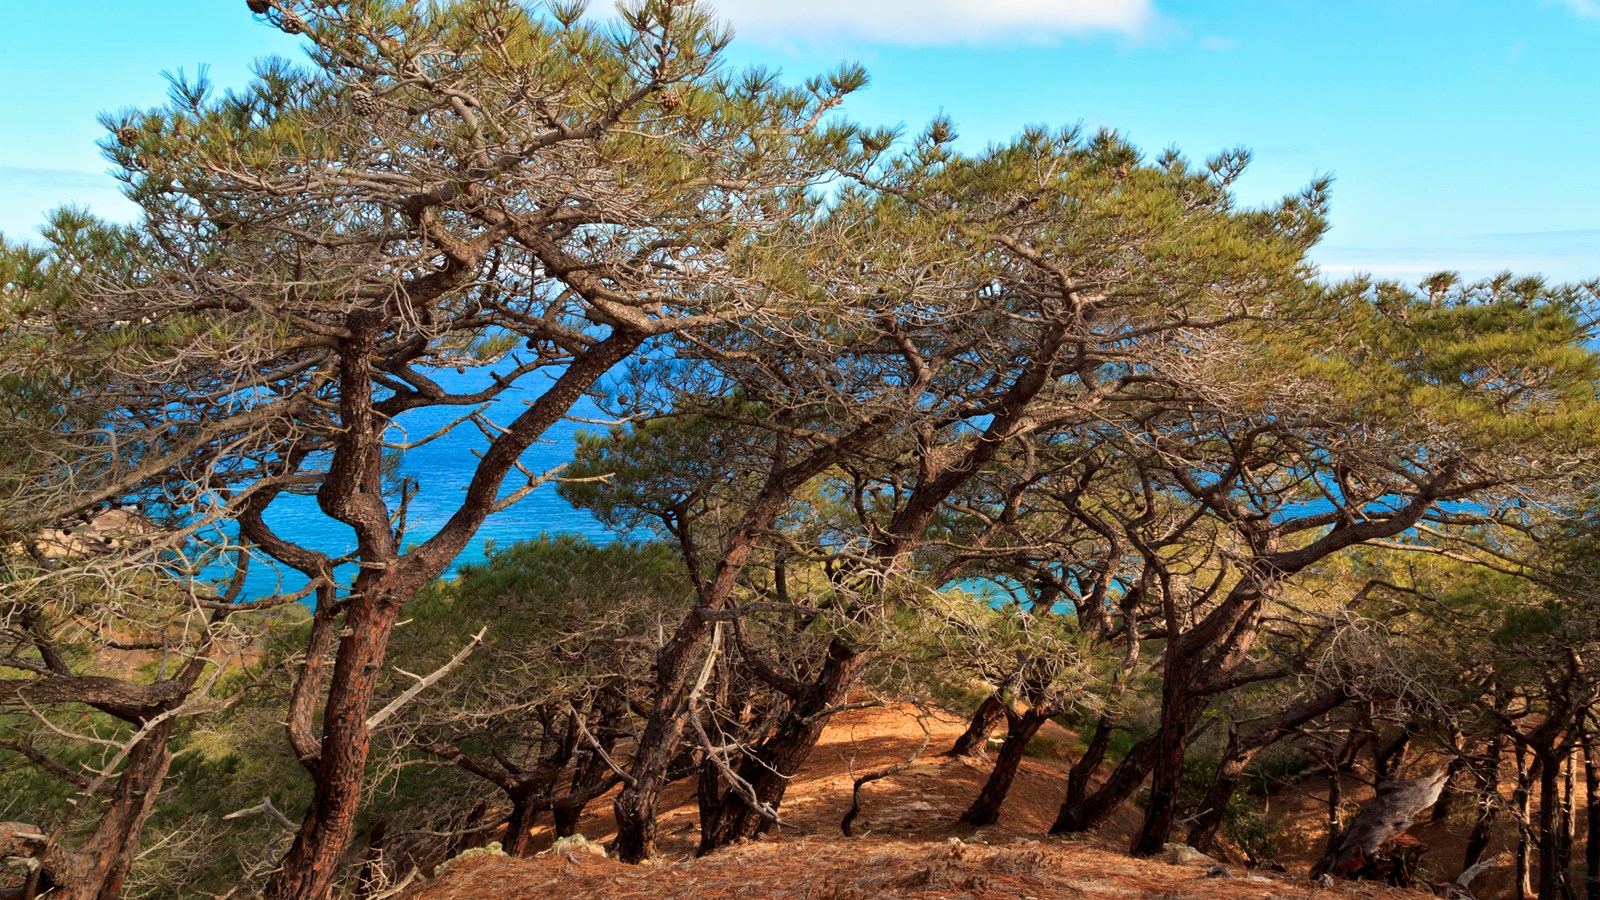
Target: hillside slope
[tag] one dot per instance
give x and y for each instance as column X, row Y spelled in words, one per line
column 909, row 844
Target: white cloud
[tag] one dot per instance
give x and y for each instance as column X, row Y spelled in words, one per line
column 1567, row 255
column 934, row 22
column 1590, row 8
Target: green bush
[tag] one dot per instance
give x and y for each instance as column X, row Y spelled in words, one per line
column 1042, row 746
column 1247, row 827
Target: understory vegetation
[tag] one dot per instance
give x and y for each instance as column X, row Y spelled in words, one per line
column 1057, row 430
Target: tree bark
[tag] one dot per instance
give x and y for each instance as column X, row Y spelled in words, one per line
column 1020, row 729
column 1552, row 867
column 1083, row 771
column 778, row 757
column 313, row 861
column 635, row 805
column 1591, row 795
column 351, row 493
column 97, row 869
column 1459, row 764
column 592, row 769
column 1487, row 794
column 988, row 715
column 1179, row 713
column 1397, row 805
column 519, row 839
column 1094, row 808
column 1241, row 750
column 1522, row 803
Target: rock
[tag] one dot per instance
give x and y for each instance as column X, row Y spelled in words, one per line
column 571, row 846
column 490, row 849
column 1184, row 855
column 1218, row 872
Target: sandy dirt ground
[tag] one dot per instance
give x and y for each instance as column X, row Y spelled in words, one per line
column 908, row 842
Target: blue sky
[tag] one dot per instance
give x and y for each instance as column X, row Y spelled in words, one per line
column 1462, row 133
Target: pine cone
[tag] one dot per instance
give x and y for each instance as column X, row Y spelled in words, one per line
column 670, row 99
column 258, row 6
column 128, row 136
column 362, row 103
column 292, row 24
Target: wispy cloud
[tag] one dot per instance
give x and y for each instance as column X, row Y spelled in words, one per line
column 62, row 178
column 29, row 192
column 1561, row 255
column 1588, row 8
column 1218, row 44
column 935, row 22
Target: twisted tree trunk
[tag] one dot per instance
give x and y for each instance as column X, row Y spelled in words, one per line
column 989, row 714
column 776, row 759
column 1020, row 729
column 1241, row 749
column 1487, row 772
column 1552, row 862
column 1090, row 810
column 317, row 854
column 1591, row 796
column 97, row 869
column 1094, row 755
column 1397, row 805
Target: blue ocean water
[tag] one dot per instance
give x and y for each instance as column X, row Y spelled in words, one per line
column 442, row 470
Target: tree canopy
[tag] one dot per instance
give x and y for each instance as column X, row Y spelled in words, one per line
column 1055, row 425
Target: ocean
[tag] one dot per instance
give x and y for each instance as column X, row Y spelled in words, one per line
column 442, row 470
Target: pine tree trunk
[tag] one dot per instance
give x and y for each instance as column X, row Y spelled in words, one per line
column 1552, row 869
column 1452, row 785
column 1230, row 769
column 1165, row 781
column 778, row 757
column 1083, row 771
column 98, row 868
column 592, row 768
column 314, row 860
column 1488, row 795
column 989, row 714
column 708, row 801
column 1020, row 729
column 635, row 811
column 1521, row 800
column 1179, row 713
column 1098, row 806
column 635, row 805
column 519, row 827
column 1591, row 831
column 1335, row 801
column 567, row 821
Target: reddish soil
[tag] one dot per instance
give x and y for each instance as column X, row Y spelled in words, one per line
column 908, row 843
column 834, row 868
